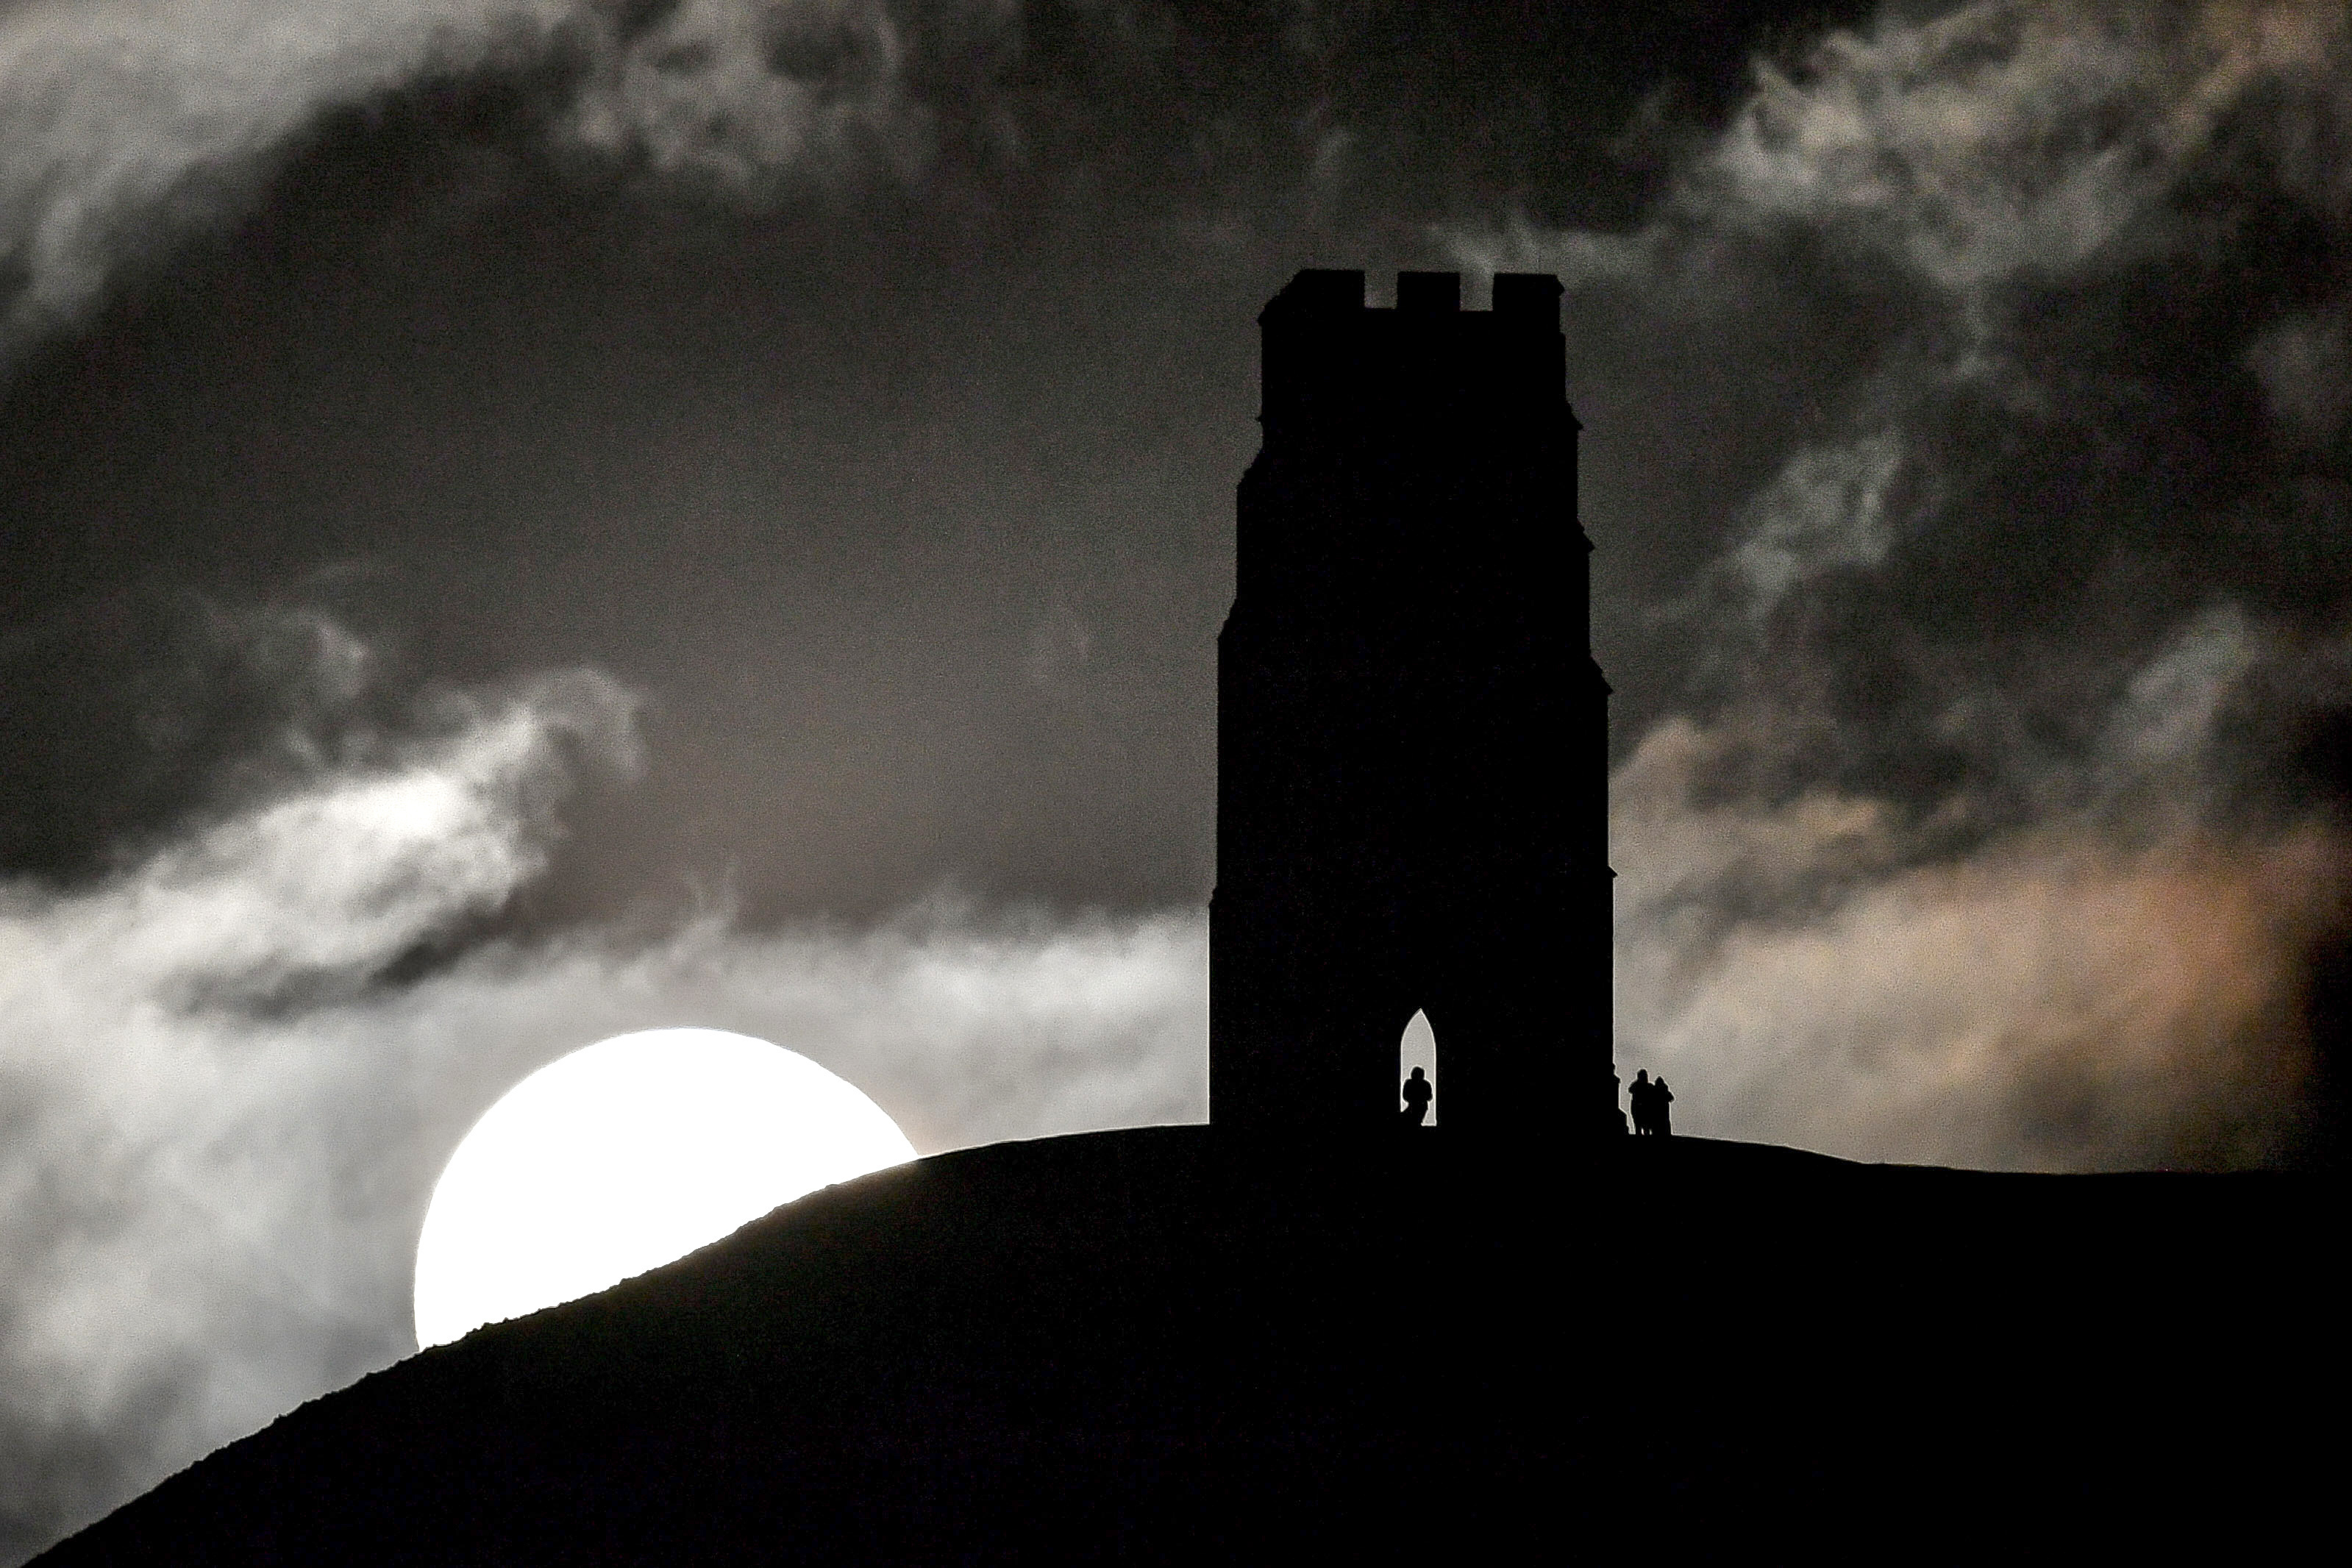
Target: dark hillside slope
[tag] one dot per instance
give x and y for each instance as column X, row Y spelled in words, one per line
column 1158, row 1344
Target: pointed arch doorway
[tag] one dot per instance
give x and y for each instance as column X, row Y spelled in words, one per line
column 1417, row 1047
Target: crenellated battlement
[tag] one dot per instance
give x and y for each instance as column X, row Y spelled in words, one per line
column 1329, row 356
column 1325, row 292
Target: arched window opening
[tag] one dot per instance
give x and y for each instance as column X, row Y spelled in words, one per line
column 1417, row 1047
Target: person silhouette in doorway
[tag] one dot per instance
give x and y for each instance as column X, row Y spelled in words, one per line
column 1417, row 1096
column 1662, row 1121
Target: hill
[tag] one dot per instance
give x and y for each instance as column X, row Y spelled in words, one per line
column 1162, row 1344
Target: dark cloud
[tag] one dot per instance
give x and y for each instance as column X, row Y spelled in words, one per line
column 2027, row 599
column 133, row 128
column 136, row 711
column 808, row 452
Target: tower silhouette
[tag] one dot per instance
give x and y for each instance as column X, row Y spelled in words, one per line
column 1412, row 732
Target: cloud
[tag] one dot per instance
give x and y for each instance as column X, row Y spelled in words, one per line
column 127, row 126
column 175, row 1175
column 2164, row 719
column 2068, row 999
column 739, row 92
column 223, row 1100
column 2305, row 366
column 2005, row 139
column 1827, row 508
column 1981, row 152
column 1967, row 806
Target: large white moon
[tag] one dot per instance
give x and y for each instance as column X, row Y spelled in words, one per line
column 626, row 1155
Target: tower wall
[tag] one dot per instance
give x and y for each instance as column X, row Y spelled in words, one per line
column 1411, row 792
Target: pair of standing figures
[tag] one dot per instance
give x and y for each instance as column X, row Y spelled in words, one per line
column 1650, row 1099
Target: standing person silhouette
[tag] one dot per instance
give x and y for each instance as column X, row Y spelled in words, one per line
column 1417, row 1096
column 1662, row 1121
column 1643, row 1096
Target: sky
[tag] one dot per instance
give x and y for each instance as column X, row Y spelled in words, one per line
column 521, row 520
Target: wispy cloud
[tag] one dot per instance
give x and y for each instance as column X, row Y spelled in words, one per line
column 1829, row 508
column 128, row 125
column 2071, row 998
column 2006, row 139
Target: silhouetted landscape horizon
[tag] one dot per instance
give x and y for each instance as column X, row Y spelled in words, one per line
column 1179, row 1344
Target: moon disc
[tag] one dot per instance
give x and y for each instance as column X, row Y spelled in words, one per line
column 625, row 1155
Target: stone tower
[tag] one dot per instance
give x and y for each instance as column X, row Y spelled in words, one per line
column 1412, row 732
